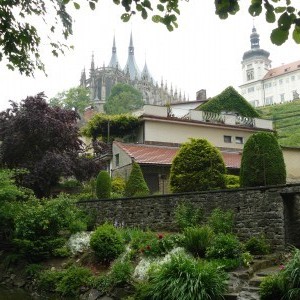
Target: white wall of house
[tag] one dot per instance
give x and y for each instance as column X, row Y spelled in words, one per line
column 169, row 131
column 292, row 162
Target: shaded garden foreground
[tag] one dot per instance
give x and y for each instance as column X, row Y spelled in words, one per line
column 273, row 211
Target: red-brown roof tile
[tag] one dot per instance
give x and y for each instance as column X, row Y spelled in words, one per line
column 284, row 69
column 162, row 155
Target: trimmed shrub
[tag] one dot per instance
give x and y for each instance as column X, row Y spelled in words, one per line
column 198, row 166
column 183, row 277
column 186, row 215
column 221, row 221
column 224, row 246
column 257, row 245
column 197, row 240
column 136, row 184
column 262, row 161
column 232, row 181
column 103, row 185
column 121, row 272
column 107, row 243
column 118, row 185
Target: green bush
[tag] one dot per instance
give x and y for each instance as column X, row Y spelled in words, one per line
column 33, row 270
column 38, row 228
column 262, row 161
column 197, row 240
column 198, row 166
column 186, row 215
column 107, row 243
column 221, row 221
column 184, row 278
column 118, row 185
column 103, row 185
column 272, row 288
column 72, row 280
column 224, row 246
column 49, row 279
column 121, row 272
column 136, row 184
column 232, row 181
column 257, row 245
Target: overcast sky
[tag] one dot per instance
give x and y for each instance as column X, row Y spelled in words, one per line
column 203, row 53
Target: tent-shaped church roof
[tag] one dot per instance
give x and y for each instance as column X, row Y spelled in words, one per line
column 229, row 101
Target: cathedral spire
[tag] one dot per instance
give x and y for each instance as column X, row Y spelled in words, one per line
column 131, row 65
column 83, row 78
column 114, row 59
column 93, row 62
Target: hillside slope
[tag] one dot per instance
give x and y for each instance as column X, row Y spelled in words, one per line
column 286, row 119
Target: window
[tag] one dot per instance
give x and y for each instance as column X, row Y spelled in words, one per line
column 269, row 100
column 250, row 74
column 239, row 140
column 227, row 139
column 268, row 85
column 281, row 98
column 251, row 89
column 293, row 78
column 117, row 157
column 280, row 81
column 287, row 80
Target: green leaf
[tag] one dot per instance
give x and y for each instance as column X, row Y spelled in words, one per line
column 160, row 7
column 285, row 21
column 144, row 14
column 291, row 9
column 76, row 5
column 279, row 36
column 125, row 17
column 296, row 34
column 92, row 5
column 156, row 19
column 280, row 9
column 255, row 8
column 270, row 16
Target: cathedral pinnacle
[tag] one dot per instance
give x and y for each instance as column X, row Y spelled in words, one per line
column 114, row 59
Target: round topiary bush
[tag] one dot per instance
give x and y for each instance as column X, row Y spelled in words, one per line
column 262, row 161
column 136, row 184
column 198, row 166
column 107, row 243
column 103, row 185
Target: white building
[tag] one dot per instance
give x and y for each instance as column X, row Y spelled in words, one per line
column 263, row 85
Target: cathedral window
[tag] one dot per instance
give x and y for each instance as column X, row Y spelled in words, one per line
column 250, row 74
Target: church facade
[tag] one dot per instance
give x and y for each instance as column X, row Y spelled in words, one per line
column 263, row 85
column 100, row 81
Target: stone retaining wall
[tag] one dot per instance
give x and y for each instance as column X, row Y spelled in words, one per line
column 257, row 210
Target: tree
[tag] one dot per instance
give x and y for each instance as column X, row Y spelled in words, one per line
column 198, row 166
column 262, row 161
column 41, row 139
column 103, row 185
column 77, row 99
column 123, row 99
column 20, row 39
column 136, row 184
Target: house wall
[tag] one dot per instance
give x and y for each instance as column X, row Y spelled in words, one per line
column 261, row 210
column 123, row 169
column 292, row 162
column 172, row 132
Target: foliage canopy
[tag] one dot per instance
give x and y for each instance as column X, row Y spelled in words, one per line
column 229, row 101
column 41, row 139
column 262, row 161
column 198, row 166
column 20, row 38
column 77, row 99
column 108, row 127
column 123, row 99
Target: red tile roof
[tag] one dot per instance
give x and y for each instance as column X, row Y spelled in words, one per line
column 162, row 155
column 294, row 66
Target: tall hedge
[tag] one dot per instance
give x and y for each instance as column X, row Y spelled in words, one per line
column 198, row 166
column 136, row 184
column 103, row 185
column 262, row 161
